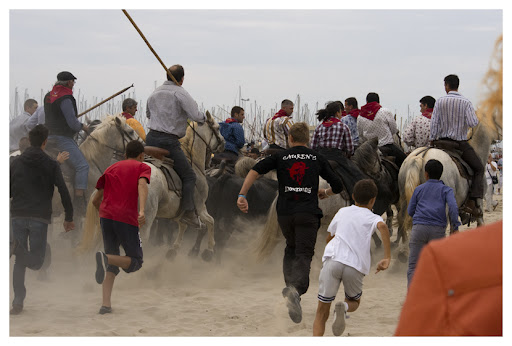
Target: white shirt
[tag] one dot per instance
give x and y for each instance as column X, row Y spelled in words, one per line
column 488, row 170
column 352, row 228
column 383, row 127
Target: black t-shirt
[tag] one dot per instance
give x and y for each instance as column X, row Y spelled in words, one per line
column 298, row 170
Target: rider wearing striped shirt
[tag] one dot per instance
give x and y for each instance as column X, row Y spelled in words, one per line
column 452, row 117
column 277, row 128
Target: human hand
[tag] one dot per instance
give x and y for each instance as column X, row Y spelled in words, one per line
column 383, row 265
column 85, row 128
column 63, row 156
column 141, row 218
column 242, row 204
column 68, row 226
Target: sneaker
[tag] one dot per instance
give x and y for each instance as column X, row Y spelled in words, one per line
column 293, row 303
column 339, row 321
column 13, row 246
column 190, row 218
column 105, row 310
column 16, row 309
column 101, row 266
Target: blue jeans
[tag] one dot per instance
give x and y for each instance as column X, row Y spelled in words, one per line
column 76, row 159
column 31, row 235
column 420, row 236
column 181, row 164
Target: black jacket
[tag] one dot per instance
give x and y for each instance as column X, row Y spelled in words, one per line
column 55, row 120
column 33, row 177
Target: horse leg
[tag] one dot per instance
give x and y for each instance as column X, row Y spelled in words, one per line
column 197, row 246
column 173, row 251
column 377, row 240
column 389, row 220
column 207, row 254
column 156, row 237
column 222, row 235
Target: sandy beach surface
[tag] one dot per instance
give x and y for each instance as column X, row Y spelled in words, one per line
column 188, row 297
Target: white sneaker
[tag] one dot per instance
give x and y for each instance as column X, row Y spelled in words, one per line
column 339, row 321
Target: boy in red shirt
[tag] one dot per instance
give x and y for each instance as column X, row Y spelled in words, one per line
column 119, row 188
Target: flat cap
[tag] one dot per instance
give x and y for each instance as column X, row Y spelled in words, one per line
column 65, row 76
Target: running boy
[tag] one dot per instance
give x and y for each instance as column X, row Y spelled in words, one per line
column 119, row 188
column 347, row 256
column 298, row 214
column 427, row 208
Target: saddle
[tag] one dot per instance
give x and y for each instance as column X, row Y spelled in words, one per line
column 156, row 156
column 451, row 149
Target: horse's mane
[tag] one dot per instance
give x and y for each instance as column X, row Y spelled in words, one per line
column 244, row 165
column 100, row 134
column 366, row 157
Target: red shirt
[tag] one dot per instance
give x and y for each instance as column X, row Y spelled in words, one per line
column 121, row 193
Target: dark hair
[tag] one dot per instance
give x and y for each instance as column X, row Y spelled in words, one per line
column 329, row 111
column 341, row 105
column 38, row 135
column 434, row 169
column 128, row 103
column 236, row 110
column 452, row 81
column 177, row 71
column 429, row 101
column 352, row 102
column 364, row 191
column 372, row 97
column 300, row 132
column 286, row 102
column 29, row 103
column 23, row 144
column 133, row 149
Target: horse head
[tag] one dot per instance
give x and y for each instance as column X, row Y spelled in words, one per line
column 214, row 140
column 112, row 133
column 367, row 158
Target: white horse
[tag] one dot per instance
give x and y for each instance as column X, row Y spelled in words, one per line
column 412, row 174
column 163, row 203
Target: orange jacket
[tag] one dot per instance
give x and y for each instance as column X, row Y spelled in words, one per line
column 134, row 124
column 457, row 286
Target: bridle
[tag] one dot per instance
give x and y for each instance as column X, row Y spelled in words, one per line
column 208, row 144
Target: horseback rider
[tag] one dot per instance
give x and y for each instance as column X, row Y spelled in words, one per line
column 351, row 119
column 332, row 139
column 417, row 132
column 277, row 127
column 168, row 109
column 61, row 120
column 377, row 121
column 129, row 110
column 452, row 117
column 233, row 133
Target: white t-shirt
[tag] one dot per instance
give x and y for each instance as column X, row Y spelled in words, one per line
column 489, row 172
column 352, row 228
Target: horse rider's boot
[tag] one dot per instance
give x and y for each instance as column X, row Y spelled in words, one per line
column 473, row 208
column 192, row 219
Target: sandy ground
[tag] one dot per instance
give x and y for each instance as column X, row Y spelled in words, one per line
column 188, row 297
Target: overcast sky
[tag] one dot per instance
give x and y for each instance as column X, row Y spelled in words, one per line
column 271, row 55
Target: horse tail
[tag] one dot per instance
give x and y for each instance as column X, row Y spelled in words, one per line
column 412, row 180
column 269, row 236
column 92, row 229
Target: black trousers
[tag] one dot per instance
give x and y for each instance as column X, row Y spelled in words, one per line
column 394, row 150
column 300, row 232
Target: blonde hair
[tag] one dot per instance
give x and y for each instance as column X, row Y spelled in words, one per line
column 300, row 132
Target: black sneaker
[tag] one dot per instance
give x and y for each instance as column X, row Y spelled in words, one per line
column 105, row 310
column 293, row 303
column 190, row 218
column 16, row 309
column 101, row 266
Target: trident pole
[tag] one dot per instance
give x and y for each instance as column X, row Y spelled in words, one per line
column 102, row 102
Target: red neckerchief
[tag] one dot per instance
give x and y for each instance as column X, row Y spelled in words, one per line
column 280, row 114
column 329, row 122
column 354, row 113
column 428, row 113
column 343, row 114
column 127, row 115
column 369, row 110
column 230, row 120
column 58, row 91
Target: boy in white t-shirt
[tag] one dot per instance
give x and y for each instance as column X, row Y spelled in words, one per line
column 347, row 256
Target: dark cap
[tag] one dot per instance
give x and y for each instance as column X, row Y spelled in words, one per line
column 65, row 76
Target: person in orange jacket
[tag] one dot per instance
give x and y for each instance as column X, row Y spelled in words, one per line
column 457, row 287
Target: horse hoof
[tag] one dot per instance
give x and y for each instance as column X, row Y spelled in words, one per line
column 171, row 254
column 402, row 257
column 193, row 252
column 207, row 255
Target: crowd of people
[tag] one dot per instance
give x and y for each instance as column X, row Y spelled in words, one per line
column 299, row 160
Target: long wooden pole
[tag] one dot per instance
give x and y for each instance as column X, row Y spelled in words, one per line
column 102, row 102
column 150, row 48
